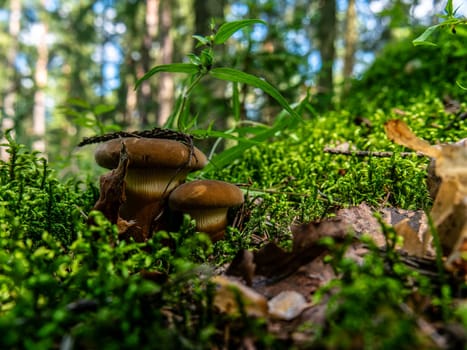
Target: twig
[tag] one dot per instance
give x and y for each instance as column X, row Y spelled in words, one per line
column 156, row 133
column 381, row 154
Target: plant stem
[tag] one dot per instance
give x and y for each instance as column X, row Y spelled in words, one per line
column 195, row 81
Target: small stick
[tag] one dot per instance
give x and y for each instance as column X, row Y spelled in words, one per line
column 371, row 153
column 157, row 133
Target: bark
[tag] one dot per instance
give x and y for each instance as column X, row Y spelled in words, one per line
column 205, row 10
column 350, row 37
column 165, row 93
column 146, row 92
column 40, row 77
column 9, row 95
column 326, row 37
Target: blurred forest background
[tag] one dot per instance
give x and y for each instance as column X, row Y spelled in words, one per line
column 68, row 68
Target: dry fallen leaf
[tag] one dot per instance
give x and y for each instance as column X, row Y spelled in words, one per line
column 412, row 244
column 112, row 195
column 274, row 262
column 398, row 132
column 449, row 211
column 230, row 293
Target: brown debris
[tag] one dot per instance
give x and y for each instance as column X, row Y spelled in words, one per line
column 112, row 195
column 271, row 261
column 449, row 211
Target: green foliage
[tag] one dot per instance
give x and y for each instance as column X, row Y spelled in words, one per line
column 403, row 74
column 294, row 179
column 33, row 201
column 366, row 306
column 202, row 66
column 91, row 117
column 70, row 284
column 92, row 292
column 450, row 22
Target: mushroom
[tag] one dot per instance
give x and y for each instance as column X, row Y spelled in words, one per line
column 207, row 202
column 155, row 168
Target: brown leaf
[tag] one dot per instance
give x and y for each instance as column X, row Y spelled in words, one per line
column 243, row 266
column 274, row 262
column 452, row 162
column 412, row 244
column 449, row 211
column 112, row 189
column 449, row 214
column 230, row 293
column 398, row 132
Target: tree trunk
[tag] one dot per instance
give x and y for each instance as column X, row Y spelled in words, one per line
column 40, row 77
column 146, row 92
column 205, row 10
column 165, row 93
column 9, row 95
column 350, row 38
column 326, row 37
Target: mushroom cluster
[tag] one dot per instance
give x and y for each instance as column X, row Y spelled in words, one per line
column 155, row 181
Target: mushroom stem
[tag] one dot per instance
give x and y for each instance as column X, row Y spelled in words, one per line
column 212, row 223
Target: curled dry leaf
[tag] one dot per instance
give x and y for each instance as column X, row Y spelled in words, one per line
column 233, row 298
column 449, row 211
column 112, row 195
column 398, row 132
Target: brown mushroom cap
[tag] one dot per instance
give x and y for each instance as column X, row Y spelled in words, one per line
column 150, row 153
column 207, row 202
column 156, row 166
column 205, row 194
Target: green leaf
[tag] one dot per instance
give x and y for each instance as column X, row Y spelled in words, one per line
column 187, row 68
column 226, row 30
column 102, row 109
column 228, row 156
column 76, row 102
column 449, row 8
column 203, row 133
column 202, row 40
column 461, row 86
column 206, row 57
column 236, row 101
column 237, row 76
column 422, row 39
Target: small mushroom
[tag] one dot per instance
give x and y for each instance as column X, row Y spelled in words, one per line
column 207, row 202
column 156, row 167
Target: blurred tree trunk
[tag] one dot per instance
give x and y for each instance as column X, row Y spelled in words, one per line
column 146, row 94
column 9, row 95
column 205, row 10
column 350, row 38
column 326, row 36
column 166, row 85
column 40, row 77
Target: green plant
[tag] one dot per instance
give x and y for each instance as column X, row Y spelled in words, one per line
column 204, row 65
column 34, row 201
column 450, row 22
column 91, row 117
